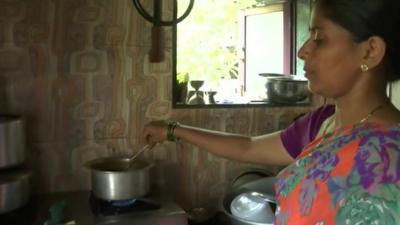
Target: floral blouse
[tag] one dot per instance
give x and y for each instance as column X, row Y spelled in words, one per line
column 349, row 176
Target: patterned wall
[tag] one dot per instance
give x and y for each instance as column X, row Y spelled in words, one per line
column 78, row 71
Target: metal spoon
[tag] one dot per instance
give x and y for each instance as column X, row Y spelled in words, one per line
column 130, row 160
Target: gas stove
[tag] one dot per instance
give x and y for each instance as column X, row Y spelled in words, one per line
column 148, row 210
column 101, row 208
column 83, row 208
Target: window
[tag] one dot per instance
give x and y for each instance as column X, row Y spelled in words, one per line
column 223, row 45
column 266, row 46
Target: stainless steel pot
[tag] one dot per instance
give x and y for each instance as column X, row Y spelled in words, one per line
column 12, row 141
column 262, row 185
column 285, row 88
column 248, row 176
column 113, row 179
column 14, row 189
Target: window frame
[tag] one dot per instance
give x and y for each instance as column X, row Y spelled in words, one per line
column 289, row 13
column 290, row 46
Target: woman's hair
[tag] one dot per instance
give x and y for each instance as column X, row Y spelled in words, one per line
column 366, row 18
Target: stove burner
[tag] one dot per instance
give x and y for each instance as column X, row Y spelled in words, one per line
column 123, row 203
column 101, row 207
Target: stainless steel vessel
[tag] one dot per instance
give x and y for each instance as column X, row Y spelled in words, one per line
column 113, row 179
column 263, row 185
column 14, row 189
column 285, row 89
column 12, row 141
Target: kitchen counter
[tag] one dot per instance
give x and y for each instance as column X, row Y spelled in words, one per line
column 218, row 219
column 77, row 209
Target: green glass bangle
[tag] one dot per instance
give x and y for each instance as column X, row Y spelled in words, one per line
column 171, row 131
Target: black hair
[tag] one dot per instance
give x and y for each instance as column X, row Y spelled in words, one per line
column 366, row 18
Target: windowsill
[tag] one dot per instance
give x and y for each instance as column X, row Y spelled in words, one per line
column 306, row 102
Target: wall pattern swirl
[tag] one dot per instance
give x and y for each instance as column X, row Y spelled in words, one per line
column 78, row 72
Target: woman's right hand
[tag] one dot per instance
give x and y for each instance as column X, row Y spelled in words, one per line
column 265, row 149
column 155, row 132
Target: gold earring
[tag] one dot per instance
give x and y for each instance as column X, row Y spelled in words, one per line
column 364, row 67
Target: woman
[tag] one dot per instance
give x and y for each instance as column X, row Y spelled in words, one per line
column 348, row 171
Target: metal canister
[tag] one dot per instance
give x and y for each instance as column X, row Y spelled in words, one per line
column 12, row 141
column 14, row 189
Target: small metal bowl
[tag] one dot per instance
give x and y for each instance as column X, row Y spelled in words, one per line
column 286, row 89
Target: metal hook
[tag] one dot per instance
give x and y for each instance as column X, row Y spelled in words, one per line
column 156, row 18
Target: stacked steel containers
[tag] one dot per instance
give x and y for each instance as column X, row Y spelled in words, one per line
column 14, row 177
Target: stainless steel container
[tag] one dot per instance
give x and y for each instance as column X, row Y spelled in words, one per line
column 12, row 141
column 285, row 89
column 112, row 179
column 249, row 175
column 263, row 185
column 14, row 189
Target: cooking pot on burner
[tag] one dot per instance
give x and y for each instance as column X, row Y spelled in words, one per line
column 113, row 179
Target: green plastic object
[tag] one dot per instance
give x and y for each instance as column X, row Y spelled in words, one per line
column 56, row 213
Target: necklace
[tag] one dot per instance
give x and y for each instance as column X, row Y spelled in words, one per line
column 371, row 113
column 331, row 121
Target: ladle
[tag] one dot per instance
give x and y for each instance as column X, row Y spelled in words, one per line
column 130, row 160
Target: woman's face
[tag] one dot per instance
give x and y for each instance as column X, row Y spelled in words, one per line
column 331, row 58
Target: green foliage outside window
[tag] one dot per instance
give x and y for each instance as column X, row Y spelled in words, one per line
column 208, row 40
